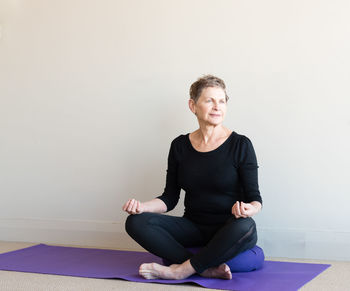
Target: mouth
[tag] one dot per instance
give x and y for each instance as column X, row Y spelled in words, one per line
column 215, row 115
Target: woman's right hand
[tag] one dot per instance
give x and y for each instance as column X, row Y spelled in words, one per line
column 133, row 206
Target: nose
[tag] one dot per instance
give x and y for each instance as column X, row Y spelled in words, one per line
column 216, row 105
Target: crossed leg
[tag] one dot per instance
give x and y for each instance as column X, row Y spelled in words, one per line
column 167, row 236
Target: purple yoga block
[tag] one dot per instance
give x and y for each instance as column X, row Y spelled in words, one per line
column 249, row 260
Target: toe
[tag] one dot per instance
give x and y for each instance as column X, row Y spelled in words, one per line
column 228, row 274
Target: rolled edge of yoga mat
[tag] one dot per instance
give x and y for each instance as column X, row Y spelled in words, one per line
column 247, row 261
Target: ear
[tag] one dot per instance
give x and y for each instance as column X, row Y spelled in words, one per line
column 192, row 106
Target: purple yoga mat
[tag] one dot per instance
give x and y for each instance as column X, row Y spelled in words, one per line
column 99, row 263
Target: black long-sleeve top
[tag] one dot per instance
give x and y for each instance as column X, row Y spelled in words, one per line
column 213, row 181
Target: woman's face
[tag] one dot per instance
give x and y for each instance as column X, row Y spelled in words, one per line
column 210, row 106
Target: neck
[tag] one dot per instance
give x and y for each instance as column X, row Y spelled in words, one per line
column 209, row 134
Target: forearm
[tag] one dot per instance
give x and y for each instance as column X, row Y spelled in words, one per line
column 155, row 205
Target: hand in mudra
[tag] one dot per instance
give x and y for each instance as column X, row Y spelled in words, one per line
column 241, row 209
column 133, row 206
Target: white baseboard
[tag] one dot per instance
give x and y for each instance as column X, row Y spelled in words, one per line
column 106, row 234
column 276, row 242
column 305, row 243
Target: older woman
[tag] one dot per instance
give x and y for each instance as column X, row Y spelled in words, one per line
column 217, row 169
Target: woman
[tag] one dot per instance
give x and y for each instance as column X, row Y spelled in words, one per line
column 217, row 169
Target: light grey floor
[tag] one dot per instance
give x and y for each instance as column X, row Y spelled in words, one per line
column 335, row 278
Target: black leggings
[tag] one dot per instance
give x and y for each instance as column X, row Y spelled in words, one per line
column 168, row 236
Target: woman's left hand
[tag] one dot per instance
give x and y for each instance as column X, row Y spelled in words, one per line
column 241, row 209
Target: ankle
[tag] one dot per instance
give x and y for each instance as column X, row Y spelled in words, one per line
column 185, row 269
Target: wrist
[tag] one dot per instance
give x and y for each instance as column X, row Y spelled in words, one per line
column 144, row 207
column 256, row 205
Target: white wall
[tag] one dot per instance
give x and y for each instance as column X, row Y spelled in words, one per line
column 93, row 92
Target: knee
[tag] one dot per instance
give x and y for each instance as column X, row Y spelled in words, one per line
column 244, row 226
column 136, row 224
column 247, row 224
column 248, row 229
column 133, row 223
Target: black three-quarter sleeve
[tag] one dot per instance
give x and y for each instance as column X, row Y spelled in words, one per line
column 172, row 190
column 248, row 171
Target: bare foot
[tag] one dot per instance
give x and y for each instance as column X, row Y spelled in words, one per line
column 156, row 271
column 221, row 272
